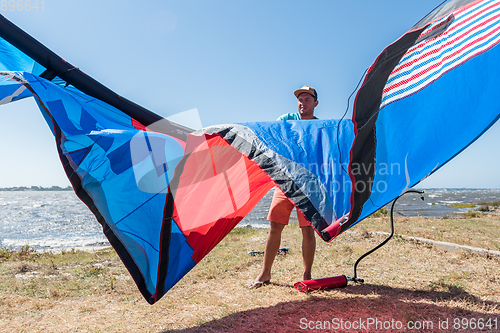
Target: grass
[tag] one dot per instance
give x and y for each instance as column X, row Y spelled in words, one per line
column 76, row 291
column 381, row 212
column 477, row 230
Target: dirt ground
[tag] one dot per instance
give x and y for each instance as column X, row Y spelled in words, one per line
column 409, row 287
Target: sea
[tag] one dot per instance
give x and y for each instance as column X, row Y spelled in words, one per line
column 59, row 220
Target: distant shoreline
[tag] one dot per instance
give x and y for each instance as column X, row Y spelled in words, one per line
column 36, row 188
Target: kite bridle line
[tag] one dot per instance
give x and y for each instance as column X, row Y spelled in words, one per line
column 355, row 277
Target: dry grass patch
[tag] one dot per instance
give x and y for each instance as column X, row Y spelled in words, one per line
column 405, row 281
column 482, row 232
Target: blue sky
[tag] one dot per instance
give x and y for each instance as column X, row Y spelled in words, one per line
column 233, row 61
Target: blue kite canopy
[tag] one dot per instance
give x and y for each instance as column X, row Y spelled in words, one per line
column 165, row 196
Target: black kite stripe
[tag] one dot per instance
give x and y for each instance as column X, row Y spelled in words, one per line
column 80, row 191
column 367, row 104
column 365, row 115
column 163, row 260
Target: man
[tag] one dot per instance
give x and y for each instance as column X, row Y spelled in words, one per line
column 281, row 206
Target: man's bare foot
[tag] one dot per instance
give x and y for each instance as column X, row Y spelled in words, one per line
column 263, row 277
column 260, row 280
column 258, row 284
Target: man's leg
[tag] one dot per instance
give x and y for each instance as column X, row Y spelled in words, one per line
column 308, row 249
column 272, row 246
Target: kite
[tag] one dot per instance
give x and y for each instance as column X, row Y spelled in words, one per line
column 166, row 195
